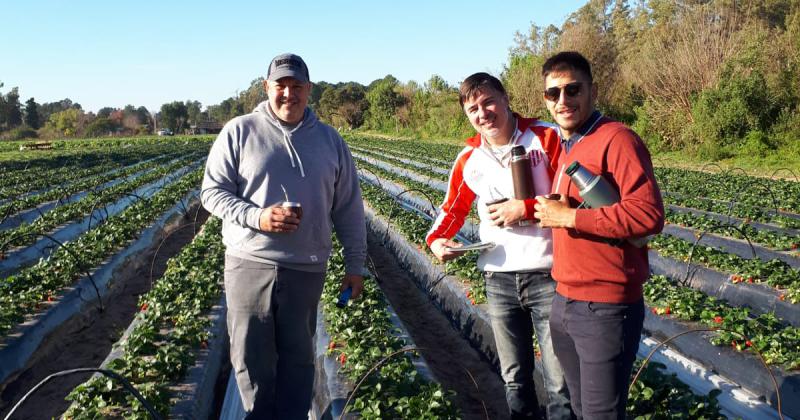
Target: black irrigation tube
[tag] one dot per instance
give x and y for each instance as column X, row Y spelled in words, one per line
column 111, row 374
column 18, row 348
column 695, row 330
column 741, row 248
column 73, row 229
column 721, row 218
column 739, row 367
column 467, row 318
column 759, row 298
column 765, row 187
column 777, row 171
column 155, row 254
column 106, row 204
column 700, row 237
column 67, row 249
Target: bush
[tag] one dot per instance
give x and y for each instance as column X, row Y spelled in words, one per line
column 757, row 143
column 738, row 105
column 20, row 133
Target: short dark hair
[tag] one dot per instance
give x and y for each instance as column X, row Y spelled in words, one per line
column 474, row 83
column 567, row 60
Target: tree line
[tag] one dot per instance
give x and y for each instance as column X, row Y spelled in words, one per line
column 65, row 118
column 716, row 78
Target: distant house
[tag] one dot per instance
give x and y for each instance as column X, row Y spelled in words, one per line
column 205, row 127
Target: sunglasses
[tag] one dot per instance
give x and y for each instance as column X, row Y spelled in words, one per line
column 570, row 89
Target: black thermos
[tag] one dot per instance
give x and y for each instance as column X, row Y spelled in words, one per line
column 521, row 173
column 522, row 176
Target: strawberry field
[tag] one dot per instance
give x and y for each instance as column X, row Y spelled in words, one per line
column 725, row 276
column 106, row 239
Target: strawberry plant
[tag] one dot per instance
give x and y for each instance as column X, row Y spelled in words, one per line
column 170, row 328
column 364, row 335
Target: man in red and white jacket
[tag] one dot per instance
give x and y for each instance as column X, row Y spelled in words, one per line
column 519, row 287
column 598, row 310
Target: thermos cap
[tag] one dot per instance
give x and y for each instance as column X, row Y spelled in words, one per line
column 518, row 150
column 573, row 167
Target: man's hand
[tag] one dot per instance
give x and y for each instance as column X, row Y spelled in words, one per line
column 355, row 281
column 507, row 213
column 438, row 248
column 278, row 220
column 554, row 213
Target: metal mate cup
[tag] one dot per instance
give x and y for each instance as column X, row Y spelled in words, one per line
column 294, row 207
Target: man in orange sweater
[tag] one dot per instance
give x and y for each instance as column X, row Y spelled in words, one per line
column 598, row 311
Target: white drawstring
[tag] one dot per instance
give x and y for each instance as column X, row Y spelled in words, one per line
column 288, row 143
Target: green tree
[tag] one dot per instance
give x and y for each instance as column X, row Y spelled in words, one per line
column 32, row 114
column 173, row 116
column 105, row 112
column 12, row 110
column 66, row 122
column 101, row 126
column 194, row 111
column 383, row 101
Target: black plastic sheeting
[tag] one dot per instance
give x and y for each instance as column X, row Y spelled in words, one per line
column 734, row 246
column 739, row 367
column 29, row 255
column 17, row 348
column 760, row 298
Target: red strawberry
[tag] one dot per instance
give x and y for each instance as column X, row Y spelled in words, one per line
column 748, row 343
column 718, row 319
column 342, row 358
column 144, row 307
column 667, row 310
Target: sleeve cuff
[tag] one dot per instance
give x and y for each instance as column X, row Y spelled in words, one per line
column 254, row 218
column 529, row 209
column 584, row 220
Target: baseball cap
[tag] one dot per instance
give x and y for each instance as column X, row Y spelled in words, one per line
column 288, row 65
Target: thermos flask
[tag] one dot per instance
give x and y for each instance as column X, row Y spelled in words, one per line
column 522, row 176
column 596, row 192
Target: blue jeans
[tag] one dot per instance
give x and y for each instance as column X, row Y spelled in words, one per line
column 519, row 306
column 596, row 344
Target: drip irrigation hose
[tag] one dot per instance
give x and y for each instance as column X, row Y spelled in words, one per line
column 758, row 353
column 67, row 249
column 155, row 254
column 111, row 374
column 387, row 358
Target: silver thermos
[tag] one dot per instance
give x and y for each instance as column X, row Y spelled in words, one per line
column 597, row 192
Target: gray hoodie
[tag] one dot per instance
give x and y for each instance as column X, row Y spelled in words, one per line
column 252, row 158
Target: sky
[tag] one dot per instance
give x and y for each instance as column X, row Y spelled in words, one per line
column 147, row 52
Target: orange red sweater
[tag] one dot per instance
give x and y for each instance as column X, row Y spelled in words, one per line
column 585, row 265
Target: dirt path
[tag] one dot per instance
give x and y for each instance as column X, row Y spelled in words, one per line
column 86, row 339
column 447, row 353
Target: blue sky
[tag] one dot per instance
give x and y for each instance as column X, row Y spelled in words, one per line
column 151, row 52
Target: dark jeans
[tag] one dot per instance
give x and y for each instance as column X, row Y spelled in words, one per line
column 519, row 305
column 596, row 344
column 272, row 317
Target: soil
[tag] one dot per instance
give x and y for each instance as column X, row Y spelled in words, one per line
column 448, row 354
column 86, row 339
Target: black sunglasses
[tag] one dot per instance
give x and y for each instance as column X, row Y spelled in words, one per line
column 571, row 89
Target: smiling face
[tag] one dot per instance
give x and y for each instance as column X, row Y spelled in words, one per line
column 288, row 98
column 489, row 113
column 570, row 111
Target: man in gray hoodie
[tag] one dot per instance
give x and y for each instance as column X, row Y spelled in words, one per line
column 276, row 257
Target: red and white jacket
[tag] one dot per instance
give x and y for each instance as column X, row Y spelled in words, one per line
column 478, row 173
